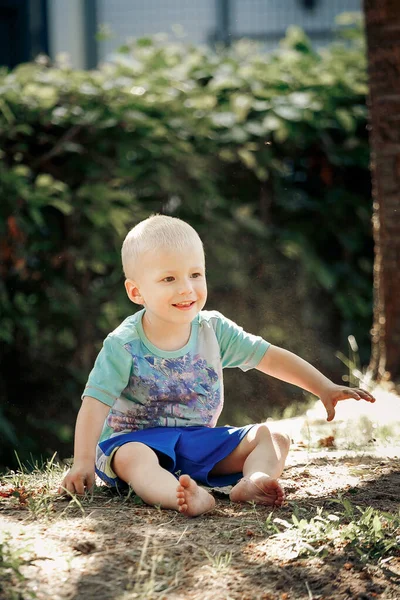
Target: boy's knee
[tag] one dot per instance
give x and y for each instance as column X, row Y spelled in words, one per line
column 264, row 433
column 260, row 434
column 131, row 452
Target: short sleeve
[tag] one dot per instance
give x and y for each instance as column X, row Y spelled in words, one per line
column 238, row 348
column 110, row 374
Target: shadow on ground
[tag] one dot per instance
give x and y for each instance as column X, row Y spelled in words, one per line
column 123, row 551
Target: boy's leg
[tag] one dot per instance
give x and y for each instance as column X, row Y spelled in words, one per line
column 138, row 465
column 261, row 457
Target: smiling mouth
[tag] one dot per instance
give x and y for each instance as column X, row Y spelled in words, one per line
column 184, row 304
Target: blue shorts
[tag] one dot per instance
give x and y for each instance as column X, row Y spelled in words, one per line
column 181, row 450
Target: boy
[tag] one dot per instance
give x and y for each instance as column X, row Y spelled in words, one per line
column 155, row 393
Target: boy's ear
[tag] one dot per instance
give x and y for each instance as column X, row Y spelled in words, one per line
column 133, row 291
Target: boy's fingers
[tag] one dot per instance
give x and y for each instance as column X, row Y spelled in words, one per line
column 359, row 394
column 330, row 410
column 366, row 396
column 77, row 485
column 71, row 488
column 341, row 394
column 80, row 487
column 344, row 393
column 64, row 489
column 352, row 394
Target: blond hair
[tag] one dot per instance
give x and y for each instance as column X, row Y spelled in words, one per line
column 157, row 232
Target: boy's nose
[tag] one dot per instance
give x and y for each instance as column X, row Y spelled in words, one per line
column 186, row 287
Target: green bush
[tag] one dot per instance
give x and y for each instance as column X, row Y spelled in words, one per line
column 265, row 154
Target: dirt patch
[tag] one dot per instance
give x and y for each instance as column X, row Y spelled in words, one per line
column 115, row 548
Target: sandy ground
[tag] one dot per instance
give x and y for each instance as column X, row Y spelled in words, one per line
column 116, row 548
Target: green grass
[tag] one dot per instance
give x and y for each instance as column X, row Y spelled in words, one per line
column 339, row 527
column 219, row 560
column 35, row 486
column 372, row 534
column 12, row 580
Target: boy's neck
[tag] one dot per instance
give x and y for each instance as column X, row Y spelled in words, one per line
column 166, row 336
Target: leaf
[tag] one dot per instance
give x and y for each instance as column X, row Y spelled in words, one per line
column 248, row 158
column 327, row 442
column 37, row 216
column 62, row 205
column 223, row 119
column 144, row 42
column 74, row 147
column 43, row 95
column 334, row 518
column 288, row 113
column 281, row 134
column 300, row 99
column 255, row 128
column 283, row 522
column 22, row 170
column 44, row 181
column 377, row 525
column 241, row 104
column 202, row 102
column 346, row 119
column 347, row 505
column 271, row 123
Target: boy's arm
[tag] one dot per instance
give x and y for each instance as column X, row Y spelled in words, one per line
column 89, row 424
column 289, row 367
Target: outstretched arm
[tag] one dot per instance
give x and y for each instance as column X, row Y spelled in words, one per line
column 289, row 367
column 89, row 424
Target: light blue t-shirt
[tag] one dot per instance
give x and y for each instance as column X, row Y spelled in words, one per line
column 148, row 387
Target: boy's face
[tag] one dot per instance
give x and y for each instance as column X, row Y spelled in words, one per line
column 170, row 284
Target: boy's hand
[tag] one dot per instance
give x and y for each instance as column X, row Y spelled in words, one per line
column 331, row 396
column 80, row 478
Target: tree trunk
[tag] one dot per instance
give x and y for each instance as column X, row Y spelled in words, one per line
column 383, row 40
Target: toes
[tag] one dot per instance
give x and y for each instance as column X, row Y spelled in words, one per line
column 180, row 498
column 280, row 498
column 184, row 480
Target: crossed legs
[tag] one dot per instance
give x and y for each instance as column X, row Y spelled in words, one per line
column 260, row 456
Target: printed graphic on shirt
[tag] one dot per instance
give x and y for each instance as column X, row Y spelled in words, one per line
column 167, row 392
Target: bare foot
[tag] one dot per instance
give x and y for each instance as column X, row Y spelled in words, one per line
column 261, row 490
column 192, row 500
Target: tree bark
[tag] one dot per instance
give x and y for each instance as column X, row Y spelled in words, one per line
column 383, row 42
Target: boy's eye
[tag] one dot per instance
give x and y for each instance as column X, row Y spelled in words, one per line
column 196, row 275
column 168, row 279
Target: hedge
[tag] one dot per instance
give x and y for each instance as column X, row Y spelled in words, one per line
column 265, row 154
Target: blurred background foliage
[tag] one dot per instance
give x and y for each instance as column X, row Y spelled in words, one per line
column 266, row 155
